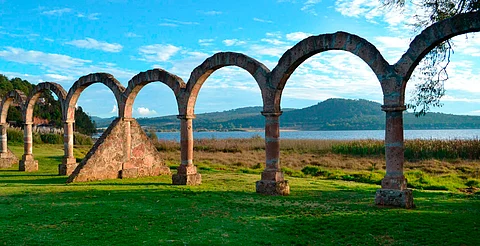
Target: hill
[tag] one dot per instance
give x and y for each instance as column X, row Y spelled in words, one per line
column 331, row 114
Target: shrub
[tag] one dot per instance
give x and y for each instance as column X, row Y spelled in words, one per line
column 15, row 135
column 292, row 173
column 82, row 139
column 311, row 170
column 51, row 138
column 472, row 183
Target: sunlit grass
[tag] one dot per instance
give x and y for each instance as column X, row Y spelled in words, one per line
column 40, row 209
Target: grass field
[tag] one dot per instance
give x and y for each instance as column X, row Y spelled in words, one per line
column 40, row 209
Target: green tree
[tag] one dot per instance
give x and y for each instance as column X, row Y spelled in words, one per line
column 434, row 66
column 83, row 122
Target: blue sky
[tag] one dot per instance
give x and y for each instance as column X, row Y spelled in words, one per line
column 60, row 41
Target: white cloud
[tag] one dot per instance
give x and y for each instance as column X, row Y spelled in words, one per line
column 60, row 67
column 90, row 43
column 212, row 12
column 206, row 42
column 374, row 11
column 158, row 52
column 174, row 23
column 114, row 109
column 231, row 42
column 297, row 36
column 262, row 20
column 93, row 16
column 309, row 5
column 183, row 67
column 393, row 42
column 58, row 77
column 57, row 12
column 146, row 111
column 132, row 35
column 40, row 58
column 168, row 24
column 272, row 41
column 274, row 51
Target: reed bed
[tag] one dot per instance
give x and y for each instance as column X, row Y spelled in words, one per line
column 418, row 149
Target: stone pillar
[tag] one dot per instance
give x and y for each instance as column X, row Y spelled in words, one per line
column 7, row 158
column 272, row 182
column 394, row 190
column 28, row 163
column 3, row 138
column 186, row 173
column 128, row 169
column 69, row 162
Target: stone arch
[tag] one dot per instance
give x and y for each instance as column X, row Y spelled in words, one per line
column 202, row 72
column 432, row 36
column 37, row 91
column 12, row 96
column 142, row 79
column 313, row 45
column 87, row 80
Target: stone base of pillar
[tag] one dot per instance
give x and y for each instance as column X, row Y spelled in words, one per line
column 7, row 160
column 68, row 166
column 128, row 173
column 187, row 175
column 28, row 164
column 394, row 198
column 66, row 169
column 273, row 188
column 187, row 179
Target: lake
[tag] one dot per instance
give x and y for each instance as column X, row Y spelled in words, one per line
column 338, row 135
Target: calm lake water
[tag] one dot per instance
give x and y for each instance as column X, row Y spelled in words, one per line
column 338, row 135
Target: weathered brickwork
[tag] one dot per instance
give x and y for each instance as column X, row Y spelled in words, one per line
column 125, row 151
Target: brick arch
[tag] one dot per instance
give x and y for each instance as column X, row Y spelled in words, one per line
column 144, row 78
column 313, row 45
column 202, row 72
column 432, row 36
column 87, row 80
column 37, row 91
column 12, row 96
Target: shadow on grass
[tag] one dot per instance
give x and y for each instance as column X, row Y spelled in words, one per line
column 40, row 181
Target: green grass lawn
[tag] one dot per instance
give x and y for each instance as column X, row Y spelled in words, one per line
column 40, row 209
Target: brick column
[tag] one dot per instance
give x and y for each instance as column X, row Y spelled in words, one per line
column 186, row 173
column 69, row 162
column 28, row 163
column 394, row 190
column 272, row 182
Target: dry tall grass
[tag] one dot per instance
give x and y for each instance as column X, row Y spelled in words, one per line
column 431, row 156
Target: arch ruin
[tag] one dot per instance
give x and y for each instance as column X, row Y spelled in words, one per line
column 125, row 129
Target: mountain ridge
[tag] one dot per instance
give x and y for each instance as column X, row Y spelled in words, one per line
column 331, row 114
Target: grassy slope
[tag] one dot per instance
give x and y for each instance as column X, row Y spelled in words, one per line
column 39, row 209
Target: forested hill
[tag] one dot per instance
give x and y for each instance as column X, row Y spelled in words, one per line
column 47, row 111
column 331, row 114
